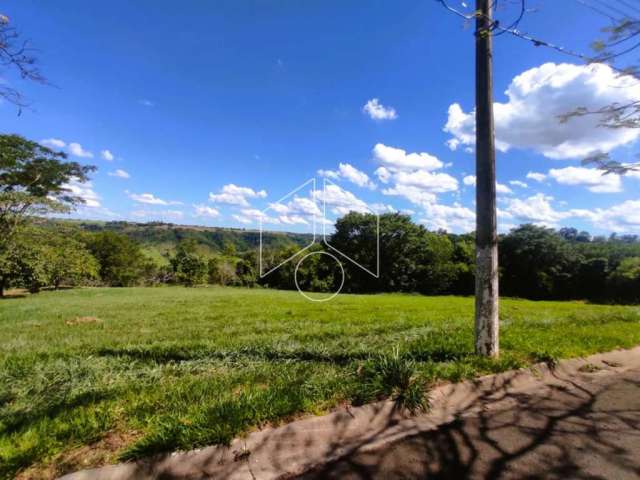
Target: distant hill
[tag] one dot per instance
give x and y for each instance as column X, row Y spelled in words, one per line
column 159, row 239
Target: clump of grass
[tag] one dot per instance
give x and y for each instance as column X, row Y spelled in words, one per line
column 391, row 375
column 545, row 356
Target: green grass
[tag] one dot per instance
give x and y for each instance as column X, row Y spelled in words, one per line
column 176, row 368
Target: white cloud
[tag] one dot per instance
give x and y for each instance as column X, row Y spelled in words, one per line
column 536, row 99
column 234, row 195
column 147, row 103
column 339, row 200
column 633, row 174
column 355, row 176
column 412, row 174
column 538, row 177
column 205, row 211
column 253, row 215
column 242, row 219
column 119, row 173
column 535, row 209
column 107, row 155
column 351, row 173
column 595, row 180
column 398, row 159
column 427, row 181
column 332, row 174
column 150, row 199
column 518, row 183
column 377, row 111
column 158, row 214
column 77, row 150
column 622, row 218
column 384, row 174
column 84, row 191
column 470, row 180
column 448, row 217
column 53, row 143
column 415, row 195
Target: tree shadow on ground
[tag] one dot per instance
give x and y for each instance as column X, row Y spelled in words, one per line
column 582, row 426
column 569, row 432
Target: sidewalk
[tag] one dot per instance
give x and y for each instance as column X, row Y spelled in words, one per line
column 579, row 420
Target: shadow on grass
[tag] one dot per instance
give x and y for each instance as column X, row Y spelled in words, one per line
column 171, row 353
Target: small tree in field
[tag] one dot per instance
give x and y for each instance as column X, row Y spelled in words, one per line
column 67, row 261
column 188, row 266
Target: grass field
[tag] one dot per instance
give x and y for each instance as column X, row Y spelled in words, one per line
column 92, row 376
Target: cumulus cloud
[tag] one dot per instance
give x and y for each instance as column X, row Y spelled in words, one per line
column 454, row 217
column 538, row 177
column 350, row 173
column 158, row 214
column 151, row 199
column 205, row 211
column 119, row 173
column 107, row 155
column 84, row 191
column 377, row 111
column 518, row 183
column 253, row 216
column 412, row 175
column 339, row 200
column 398, row 159
column 623, row 218
column 234, row 195
column 415, row 195
column 470, row 180
column 595, row 180
column 53, row 143
column 77, row 150
column 427, row 181
column 536, row 99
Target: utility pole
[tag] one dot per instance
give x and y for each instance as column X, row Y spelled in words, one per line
column 486, row 318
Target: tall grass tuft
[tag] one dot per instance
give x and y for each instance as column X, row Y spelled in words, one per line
column 391, row 375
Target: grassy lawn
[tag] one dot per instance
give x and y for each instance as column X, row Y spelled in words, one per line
column 97, row 375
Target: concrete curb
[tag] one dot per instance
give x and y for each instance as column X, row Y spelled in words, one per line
column 287, row 451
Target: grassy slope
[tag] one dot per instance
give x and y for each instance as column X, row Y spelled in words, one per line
column 175, row 368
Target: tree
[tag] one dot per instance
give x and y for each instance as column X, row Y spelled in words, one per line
column 66, row 260
column 188, row 266
column 34, row 180
column 121, row 263
column 16, row 53
column 538, row 263
column 625, row 281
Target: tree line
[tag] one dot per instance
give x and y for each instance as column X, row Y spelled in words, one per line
column 535, row 262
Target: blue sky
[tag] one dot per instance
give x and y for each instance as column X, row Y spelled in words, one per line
column 258, row 96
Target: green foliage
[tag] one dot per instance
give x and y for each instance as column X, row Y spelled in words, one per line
column 175, row 368
column 33, row 181
column 392, row 375
column 625, row 281
column 189, row 267
column 121, row 262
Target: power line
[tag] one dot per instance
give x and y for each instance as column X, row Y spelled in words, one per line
column 628, row 5
column 611, row 8
column 596, row 10
column 537, row 42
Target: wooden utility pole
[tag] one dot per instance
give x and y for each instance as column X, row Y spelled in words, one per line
column 487, row 320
